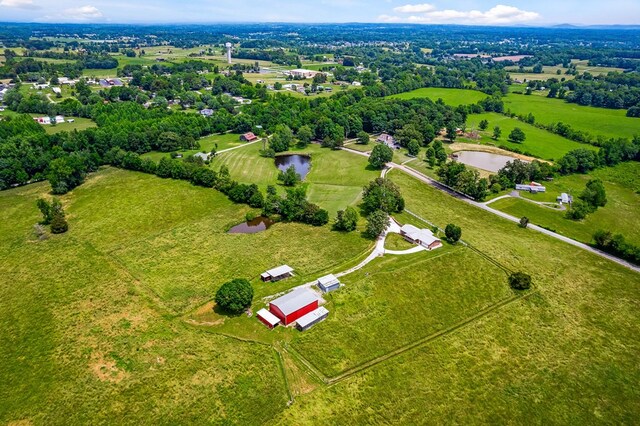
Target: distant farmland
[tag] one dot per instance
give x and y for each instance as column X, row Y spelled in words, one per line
column 449, row 96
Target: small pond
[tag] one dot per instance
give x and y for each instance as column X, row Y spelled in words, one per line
column 483, row 160
column 258, row 224
column 302, row 163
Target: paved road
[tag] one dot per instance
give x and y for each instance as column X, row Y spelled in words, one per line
column 429, row 181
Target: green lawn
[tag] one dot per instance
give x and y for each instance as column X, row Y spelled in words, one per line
column 397, row 242
column 224, row 141
column 78, row 124
column 449, row 96
column 335, row 181
column 564, row 355
column 620, row 215
column 539, row 143
column 597, row 121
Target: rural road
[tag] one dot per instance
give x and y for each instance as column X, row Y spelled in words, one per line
column 429, row 181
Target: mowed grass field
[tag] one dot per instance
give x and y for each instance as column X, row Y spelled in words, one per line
column 83, row 339
column 449, row 96
column 565, row 353
column 620, row 215
column 397, row 300
column 596, row 121
column 334, row 182
column 208, row 143
column 539, row 143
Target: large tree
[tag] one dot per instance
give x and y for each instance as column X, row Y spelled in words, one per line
column 453, row 233
column 282, row 138
column 517, row 135
column 382, row 194
column 235, row 296
column 380, row 156
column 377, row 222
column 347, row 220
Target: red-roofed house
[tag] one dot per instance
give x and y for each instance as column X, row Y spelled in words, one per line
column 248, row 137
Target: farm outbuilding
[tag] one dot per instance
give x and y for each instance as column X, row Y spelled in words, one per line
column 328, row 283
column 267, row 318
column 294, row 305
column 277, row 274
column 533, row 187
column 312, row 318
column 248, row 137
column 423, row 237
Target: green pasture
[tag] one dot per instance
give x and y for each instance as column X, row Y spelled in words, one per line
column 597, row 121
column 620, row 215
column 449, row 96
column 539, row 143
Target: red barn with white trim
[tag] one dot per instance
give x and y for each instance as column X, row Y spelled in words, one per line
column 294, row 305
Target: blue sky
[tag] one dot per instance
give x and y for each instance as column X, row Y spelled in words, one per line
column 479, row 12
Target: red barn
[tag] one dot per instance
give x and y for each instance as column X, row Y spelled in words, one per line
column 248, row 137
column 294, row 305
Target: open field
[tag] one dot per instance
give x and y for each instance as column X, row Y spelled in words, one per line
column 449, row 96
column 620, row 215
column 565, row 353
column 539, row 143
column 334, row 182
column 78, row 124
column 597, row 121
column 82, row 340
column 223, row 141
column 397, row 300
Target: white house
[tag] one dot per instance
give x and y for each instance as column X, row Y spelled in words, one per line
column 423, row 237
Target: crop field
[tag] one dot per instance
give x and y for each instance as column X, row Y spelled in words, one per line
column 539, row 143
column 449, row 96
column 620, row 215
column 597, row 121
column 335, row 181
column 397, row 300
column 505, row 366
column 83, row 341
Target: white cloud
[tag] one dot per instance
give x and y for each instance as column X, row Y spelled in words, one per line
column 414, row 8
column 497, row 15
column 22, row 4
column 83, row 13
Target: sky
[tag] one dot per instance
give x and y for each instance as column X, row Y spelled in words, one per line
column 469, row 12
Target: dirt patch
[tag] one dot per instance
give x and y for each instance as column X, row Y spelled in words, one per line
column 24, row 422
column 106, row 370
column 459, row 146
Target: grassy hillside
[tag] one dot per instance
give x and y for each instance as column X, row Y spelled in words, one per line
column 620, row 215
column 539, row 143
column 449, row 96
column 597, row 121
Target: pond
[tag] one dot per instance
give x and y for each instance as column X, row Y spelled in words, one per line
column 302, row 163
column 258, row 224
column 483, row 160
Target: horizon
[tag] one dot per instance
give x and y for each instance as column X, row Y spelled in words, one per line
column 514, row 13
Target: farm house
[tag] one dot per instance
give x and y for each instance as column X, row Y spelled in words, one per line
column 267, row 318
column 328, row 283
column 533, row 187
column 248, row 137
column 277, row 274
column 294, row 305
column 312, row 318
column 423, row 237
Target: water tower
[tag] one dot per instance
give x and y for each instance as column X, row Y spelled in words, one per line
column 228, row 45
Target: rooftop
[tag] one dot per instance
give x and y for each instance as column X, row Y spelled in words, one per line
column 280, row 270
column 312, row 316
column 294, row 300
column 327, row 279
column 268, row 316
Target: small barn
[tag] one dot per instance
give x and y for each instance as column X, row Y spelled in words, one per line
column 277, row 274
column 267, row 318
column 202, row 155
column 312, row 318
column 328, row 283
column 294, row 305
column 248, row 137
column 564, row 198
column 533, row 187
column 423, row 237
